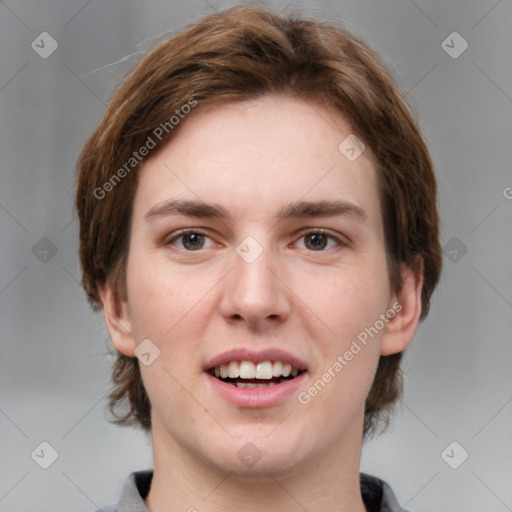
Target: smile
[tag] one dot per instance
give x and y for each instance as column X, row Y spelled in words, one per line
column 255, row 379
column 248, row 375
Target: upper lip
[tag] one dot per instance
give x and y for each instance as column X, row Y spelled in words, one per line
column 244, row 354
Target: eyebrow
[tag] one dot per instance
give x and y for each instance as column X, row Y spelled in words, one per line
column 295, row 210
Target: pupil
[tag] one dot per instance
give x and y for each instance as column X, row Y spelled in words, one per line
column 194, row 238
column 316, row 240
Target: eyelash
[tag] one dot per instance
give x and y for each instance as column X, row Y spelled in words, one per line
column 302, row 234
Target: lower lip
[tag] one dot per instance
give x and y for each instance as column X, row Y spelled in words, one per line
column 256, row 398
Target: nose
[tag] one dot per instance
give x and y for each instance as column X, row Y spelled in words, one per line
column 255, row 293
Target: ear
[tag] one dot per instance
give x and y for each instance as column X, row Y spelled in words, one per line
column 400, row 329
column 117, row 318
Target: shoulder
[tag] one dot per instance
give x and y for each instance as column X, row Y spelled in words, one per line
column 135, row 489
column 377, row 495
column 107, row 508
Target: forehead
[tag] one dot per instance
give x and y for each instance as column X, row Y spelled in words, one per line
column 256, row 157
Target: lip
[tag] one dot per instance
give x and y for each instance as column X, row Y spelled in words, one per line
column 243, row 354
column 255, row 398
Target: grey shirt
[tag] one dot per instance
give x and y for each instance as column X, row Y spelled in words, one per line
column 377, row 495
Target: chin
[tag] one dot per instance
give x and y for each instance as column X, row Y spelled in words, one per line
column 264, row 469
column 257, row 455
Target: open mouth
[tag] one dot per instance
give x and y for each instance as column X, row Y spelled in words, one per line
column 249, row 375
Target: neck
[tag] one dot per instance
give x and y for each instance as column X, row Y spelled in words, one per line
column 183, row 481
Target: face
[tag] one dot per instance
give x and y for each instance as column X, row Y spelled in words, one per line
column 285, row 263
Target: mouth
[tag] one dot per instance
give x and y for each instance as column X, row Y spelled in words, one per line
column 250, row 379
column 249, row 375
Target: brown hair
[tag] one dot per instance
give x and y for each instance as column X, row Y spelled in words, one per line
column 239, row 54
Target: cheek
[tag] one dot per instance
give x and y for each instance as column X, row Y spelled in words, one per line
column 172, row 308
column 159, row 295
column 353, row 303
column 150, row 307
column 350, row 349
column 344, row 303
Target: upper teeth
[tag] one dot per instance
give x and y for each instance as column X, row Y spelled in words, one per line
column 249, row 370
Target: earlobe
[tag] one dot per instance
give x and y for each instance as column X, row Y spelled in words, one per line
column 118, row 320
column 401, row 328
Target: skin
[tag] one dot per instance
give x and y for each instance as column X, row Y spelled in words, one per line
column 253, row 158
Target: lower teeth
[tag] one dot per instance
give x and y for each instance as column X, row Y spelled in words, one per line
column 249, row 385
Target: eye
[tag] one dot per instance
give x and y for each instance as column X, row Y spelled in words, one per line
column 318, row 239
column 192, row 240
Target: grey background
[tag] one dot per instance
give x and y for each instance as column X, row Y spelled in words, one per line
column 54, row 373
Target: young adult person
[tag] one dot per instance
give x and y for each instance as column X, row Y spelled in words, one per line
column 258, row 222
